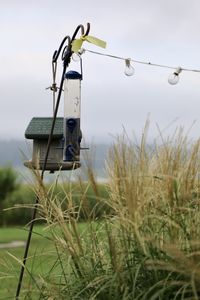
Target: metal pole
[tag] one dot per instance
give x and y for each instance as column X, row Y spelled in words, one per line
column 66, row 56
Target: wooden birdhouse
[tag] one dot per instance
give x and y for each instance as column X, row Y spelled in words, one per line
column 38, row 130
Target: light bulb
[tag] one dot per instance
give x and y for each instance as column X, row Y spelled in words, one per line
column 129, row 70
column 174, row 77
column 76, row 57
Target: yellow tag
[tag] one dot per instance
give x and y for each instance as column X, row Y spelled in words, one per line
column 77, row 44
column 95, row 41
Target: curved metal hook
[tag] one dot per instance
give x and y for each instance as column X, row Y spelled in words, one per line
column 79, row 27
column 88, row 29
column 67, row 48
column 82, row 30
column 57, row 52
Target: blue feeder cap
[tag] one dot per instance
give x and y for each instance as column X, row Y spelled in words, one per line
column 73, row 75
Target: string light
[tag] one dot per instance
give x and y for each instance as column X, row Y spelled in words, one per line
column 77, row 56
column 174, row 77
column 129, row 70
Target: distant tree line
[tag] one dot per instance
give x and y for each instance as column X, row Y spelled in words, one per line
column 10, row 190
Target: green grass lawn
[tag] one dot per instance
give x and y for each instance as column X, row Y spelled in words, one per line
column 40, row 261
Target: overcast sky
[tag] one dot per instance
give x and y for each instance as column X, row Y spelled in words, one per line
column 159, row 31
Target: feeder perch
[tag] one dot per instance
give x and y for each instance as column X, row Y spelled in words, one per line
column 38, row 130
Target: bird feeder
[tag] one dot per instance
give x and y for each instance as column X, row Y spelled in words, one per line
column 64, row 153
column 71, row 126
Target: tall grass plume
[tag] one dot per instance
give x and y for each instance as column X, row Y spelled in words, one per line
column 140, row 239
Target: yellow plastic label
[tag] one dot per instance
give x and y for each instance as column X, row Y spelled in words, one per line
column 77, row 44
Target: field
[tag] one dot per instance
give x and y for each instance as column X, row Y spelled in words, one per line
column 40, row 258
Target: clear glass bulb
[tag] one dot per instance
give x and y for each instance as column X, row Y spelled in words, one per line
column 76, row 57
column 173, row 78
column 129, row 70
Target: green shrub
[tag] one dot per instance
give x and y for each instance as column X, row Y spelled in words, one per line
column 18, row 206
column 8, row 184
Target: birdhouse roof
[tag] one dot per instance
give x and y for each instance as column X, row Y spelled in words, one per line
column 40, row 128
